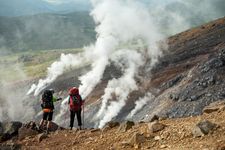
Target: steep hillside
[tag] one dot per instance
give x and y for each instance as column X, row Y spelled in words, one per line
column 188, row 76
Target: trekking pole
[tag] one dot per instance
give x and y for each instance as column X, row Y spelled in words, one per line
column 83, row 116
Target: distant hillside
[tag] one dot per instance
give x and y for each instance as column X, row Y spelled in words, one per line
column 30, row 7
column 22, row 7
column 46, row 31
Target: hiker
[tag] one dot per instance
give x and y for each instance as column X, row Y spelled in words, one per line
column 75, row 103
column 47, row 107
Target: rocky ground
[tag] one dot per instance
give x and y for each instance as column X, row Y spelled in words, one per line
column 204, row 132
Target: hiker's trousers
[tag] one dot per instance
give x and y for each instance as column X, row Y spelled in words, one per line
column 72, row 116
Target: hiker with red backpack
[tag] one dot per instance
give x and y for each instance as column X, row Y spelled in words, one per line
column 75, row 105
column 47, row 107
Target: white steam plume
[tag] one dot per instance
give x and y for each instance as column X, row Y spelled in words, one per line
column 119, row 22
column 124, row 21
column 120, row 87
column 13, row 103
column 140, row 104
column 113, row 85
column 57, row 69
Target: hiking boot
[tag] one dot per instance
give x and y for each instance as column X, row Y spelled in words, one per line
column 47, row 131
column 39, row 128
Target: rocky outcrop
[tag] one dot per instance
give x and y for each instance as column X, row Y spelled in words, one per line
column 28, row 129
column 26, row 132
column 203, row 128
column 110, row 125
column 216, row 106
column 11, row 146
column 125, row 126
column 9, row 130
column 155, row 126
column 136, row 139
column 22, row 131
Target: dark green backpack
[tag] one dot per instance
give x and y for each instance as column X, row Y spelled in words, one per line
column 47, row 97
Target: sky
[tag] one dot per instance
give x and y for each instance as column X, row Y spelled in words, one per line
column 27, row 7
column 89, row 1
column 67, row 1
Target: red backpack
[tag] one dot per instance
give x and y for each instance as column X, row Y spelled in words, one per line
column 75, row 101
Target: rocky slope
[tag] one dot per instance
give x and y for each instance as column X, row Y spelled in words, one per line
column 204, row 132
column 188, row 76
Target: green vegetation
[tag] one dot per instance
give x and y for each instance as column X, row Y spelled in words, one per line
column 30, row 64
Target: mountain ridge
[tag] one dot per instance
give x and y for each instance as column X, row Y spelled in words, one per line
column 13, row 8
column 46, row 31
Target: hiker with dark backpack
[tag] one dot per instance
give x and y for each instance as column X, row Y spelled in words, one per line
column 75, row 105
column 47, row 107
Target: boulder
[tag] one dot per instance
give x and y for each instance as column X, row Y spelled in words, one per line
column 11, row 127
column 154, row 118
column 136, row 139
column 155, row 126
column 31, row 125
column 54, row 127
column 95, row 130
column 112, row 124
column 5, row 137
column 203, row 128
column 26, row 132
column 143, row 129
column 197, row 132
column 9, row 130
column 10, row 146
column 126, row 126
column 215, row 106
